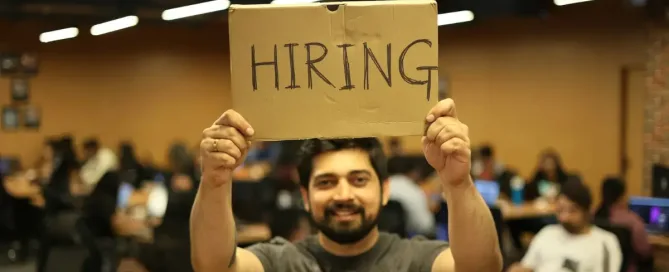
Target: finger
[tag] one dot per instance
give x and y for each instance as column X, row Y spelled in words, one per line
column 233, row 119
column 451, row 131
column 445, row 107
column 219, row 160
column 230, row 133
column 455, row 146
column 227, row 146
column 438, row 125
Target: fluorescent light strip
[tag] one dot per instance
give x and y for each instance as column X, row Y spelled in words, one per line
column 114, row 25
column 568, row 2
column 455, row 17
column 196, row 9
column 57, row 35
column 293, row 1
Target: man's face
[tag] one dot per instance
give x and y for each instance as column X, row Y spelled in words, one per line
column 572, row 217
column 345, row 195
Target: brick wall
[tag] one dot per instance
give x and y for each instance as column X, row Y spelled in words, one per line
column 656, row 127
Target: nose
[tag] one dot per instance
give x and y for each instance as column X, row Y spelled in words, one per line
column 344, row 192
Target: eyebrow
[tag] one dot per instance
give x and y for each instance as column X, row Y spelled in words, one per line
column 333, row 175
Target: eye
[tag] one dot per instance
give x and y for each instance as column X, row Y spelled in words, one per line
column 360, row 180
column 325, row 183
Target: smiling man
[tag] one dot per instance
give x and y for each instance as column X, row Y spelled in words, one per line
column 345, row 185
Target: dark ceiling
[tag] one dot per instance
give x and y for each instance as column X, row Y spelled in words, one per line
column 81, row 11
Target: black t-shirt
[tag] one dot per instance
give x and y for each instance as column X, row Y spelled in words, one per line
column 391, row 253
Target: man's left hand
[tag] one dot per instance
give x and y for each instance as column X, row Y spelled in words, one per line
column 446, row 144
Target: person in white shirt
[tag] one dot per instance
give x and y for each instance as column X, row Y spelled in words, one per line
column 405, row 172
column 575, row 245
column 98, row 161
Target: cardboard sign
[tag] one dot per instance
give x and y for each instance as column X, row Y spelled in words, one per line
column 334, row 70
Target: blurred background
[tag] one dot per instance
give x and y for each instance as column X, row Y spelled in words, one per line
column 101, row 123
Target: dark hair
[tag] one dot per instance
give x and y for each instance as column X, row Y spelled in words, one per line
column 314, row 147
column 560, row 173
column 612, row 190
column 400, row 165
column 574, row 190
column 180, row 159
column 91, row 143
column 486, row 151
column 127, row 159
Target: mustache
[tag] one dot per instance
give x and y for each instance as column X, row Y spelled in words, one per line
column 332, row 208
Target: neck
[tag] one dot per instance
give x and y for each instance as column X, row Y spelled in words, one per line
column 353, row 249
column 619, row 205
column 585, row 230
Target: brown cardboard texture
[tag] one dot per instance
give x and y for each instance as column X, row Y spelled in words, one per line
column 334, row 70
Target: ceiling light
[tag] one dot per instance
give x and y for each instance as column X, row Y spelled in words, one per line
column 455, row 17
column 61, row 34
column 196, row 9
column 114, row 25
column 568, row 2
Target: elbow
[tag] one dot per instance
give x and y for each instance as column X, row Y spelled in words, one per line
column 489, row 262
column 494, row 263
column 208, row 263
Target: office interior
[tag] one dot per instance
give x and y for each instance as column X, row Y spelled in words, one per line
column 585, row 82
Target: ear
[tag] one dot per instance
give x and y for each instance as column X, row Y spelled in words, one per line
column 385, row 186
column 305, row 198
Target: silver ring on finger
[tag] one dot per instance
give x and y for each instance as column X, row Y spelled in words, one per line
column 215, row 145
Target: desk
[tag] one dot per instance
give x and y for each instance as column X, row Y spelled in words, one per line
column 660, row 245
column 526, row 210
column 659, row 240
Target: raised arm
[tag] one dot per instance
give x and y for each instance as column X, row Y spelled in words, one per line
column 474, row 243
column 212, row 226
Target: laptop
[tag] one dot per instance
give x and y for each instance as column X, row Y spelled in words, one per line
column 653, row 211
column 660, row 181
column 8, row 165
column 489, row 190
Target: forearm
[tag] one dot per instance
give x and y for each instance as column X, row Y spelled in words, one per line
column 473, row 237
column 212, row 228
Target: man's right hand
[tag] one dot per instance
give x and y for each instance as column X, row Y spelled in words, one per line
column 224, row 146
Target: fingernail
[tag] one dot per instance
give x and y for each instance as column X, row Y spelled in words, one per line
column 250, row 131
column 429, row 118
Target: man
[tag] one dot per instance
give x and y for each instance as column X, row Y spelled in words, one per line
column 97, row 162
column 344, row 184
column 486, row 167
column 405, row 172
column 575, row 245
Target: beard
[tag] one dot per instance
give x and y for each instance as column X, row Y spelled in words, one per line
column 345, row 232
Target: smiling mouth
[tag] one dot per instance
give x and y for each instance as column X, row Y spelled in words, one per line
column 346, row 215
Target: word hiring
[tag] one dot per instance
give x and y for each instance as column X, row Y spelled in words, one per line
column 312, row 59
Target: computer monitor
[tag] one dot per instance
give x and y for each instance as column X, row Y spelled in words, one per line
column 489, row 190
column 654, row 212
column 8, row 165
column 660, row 181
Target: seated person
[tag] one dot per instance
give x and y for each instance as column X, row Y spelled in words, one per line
column 550, row 175
column 486, row 167
column 614, row 209
column 404, row 189
column 98, row 161
column 575, row 244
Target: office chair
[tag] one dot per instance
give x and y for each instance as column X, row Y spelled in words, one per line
column 393, row 219
column 499, row 225
column 624, row 236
